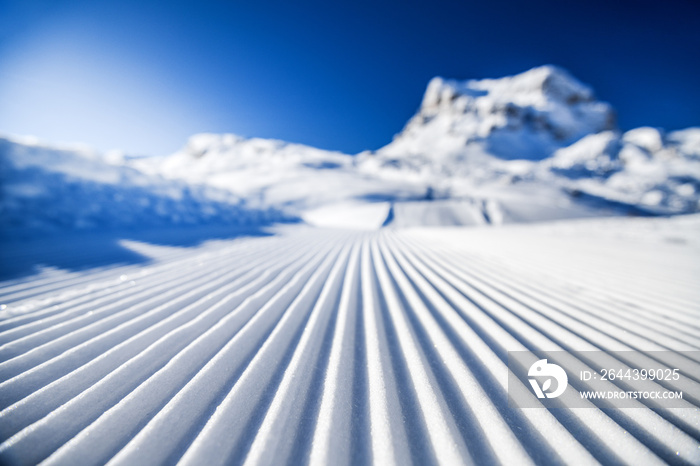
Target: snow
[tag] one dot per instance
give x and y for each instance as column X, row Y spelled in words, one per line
column 687, row 141
column 320, row 345
column 639, row 167
column 57, row 189
column 541, row 138
column 293, row 177
column 524, row 116
column 349, row 215
column 254, row 301
column 534, row 146
column 648, row 139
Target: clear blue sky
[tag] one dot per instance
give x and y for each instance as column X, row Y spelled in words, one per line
column 144, row 75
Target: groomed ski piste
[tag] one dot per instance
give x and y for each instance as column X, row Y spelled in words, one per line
column 320, row 346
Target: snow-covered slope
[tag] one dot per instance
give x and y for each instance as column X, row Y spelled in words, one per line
column 531, row 147
column 328, row 347
column 45, row 188
column 323, row 187
column 332, row 189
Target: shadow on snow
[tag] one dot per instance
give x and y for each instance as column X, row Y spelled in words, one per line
column 82, row 250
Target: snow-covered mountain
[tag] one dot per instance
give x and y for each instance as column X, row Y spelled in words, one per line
column 530, row 147
column 537, row 146
column 527, row 116
column 46, row 188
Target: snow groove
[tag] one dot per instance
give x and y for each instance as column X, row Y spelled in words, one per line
column 331, row 347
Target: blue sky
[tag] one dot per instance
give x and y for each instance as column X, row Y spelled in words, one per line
column 143, row 75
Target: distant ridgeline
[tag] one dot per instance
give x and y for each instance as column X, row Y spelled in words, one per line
column 44, row 189
column 531, row 147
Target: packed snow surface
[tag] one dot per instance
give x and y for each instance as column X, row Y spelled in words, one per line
column 324, row 346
